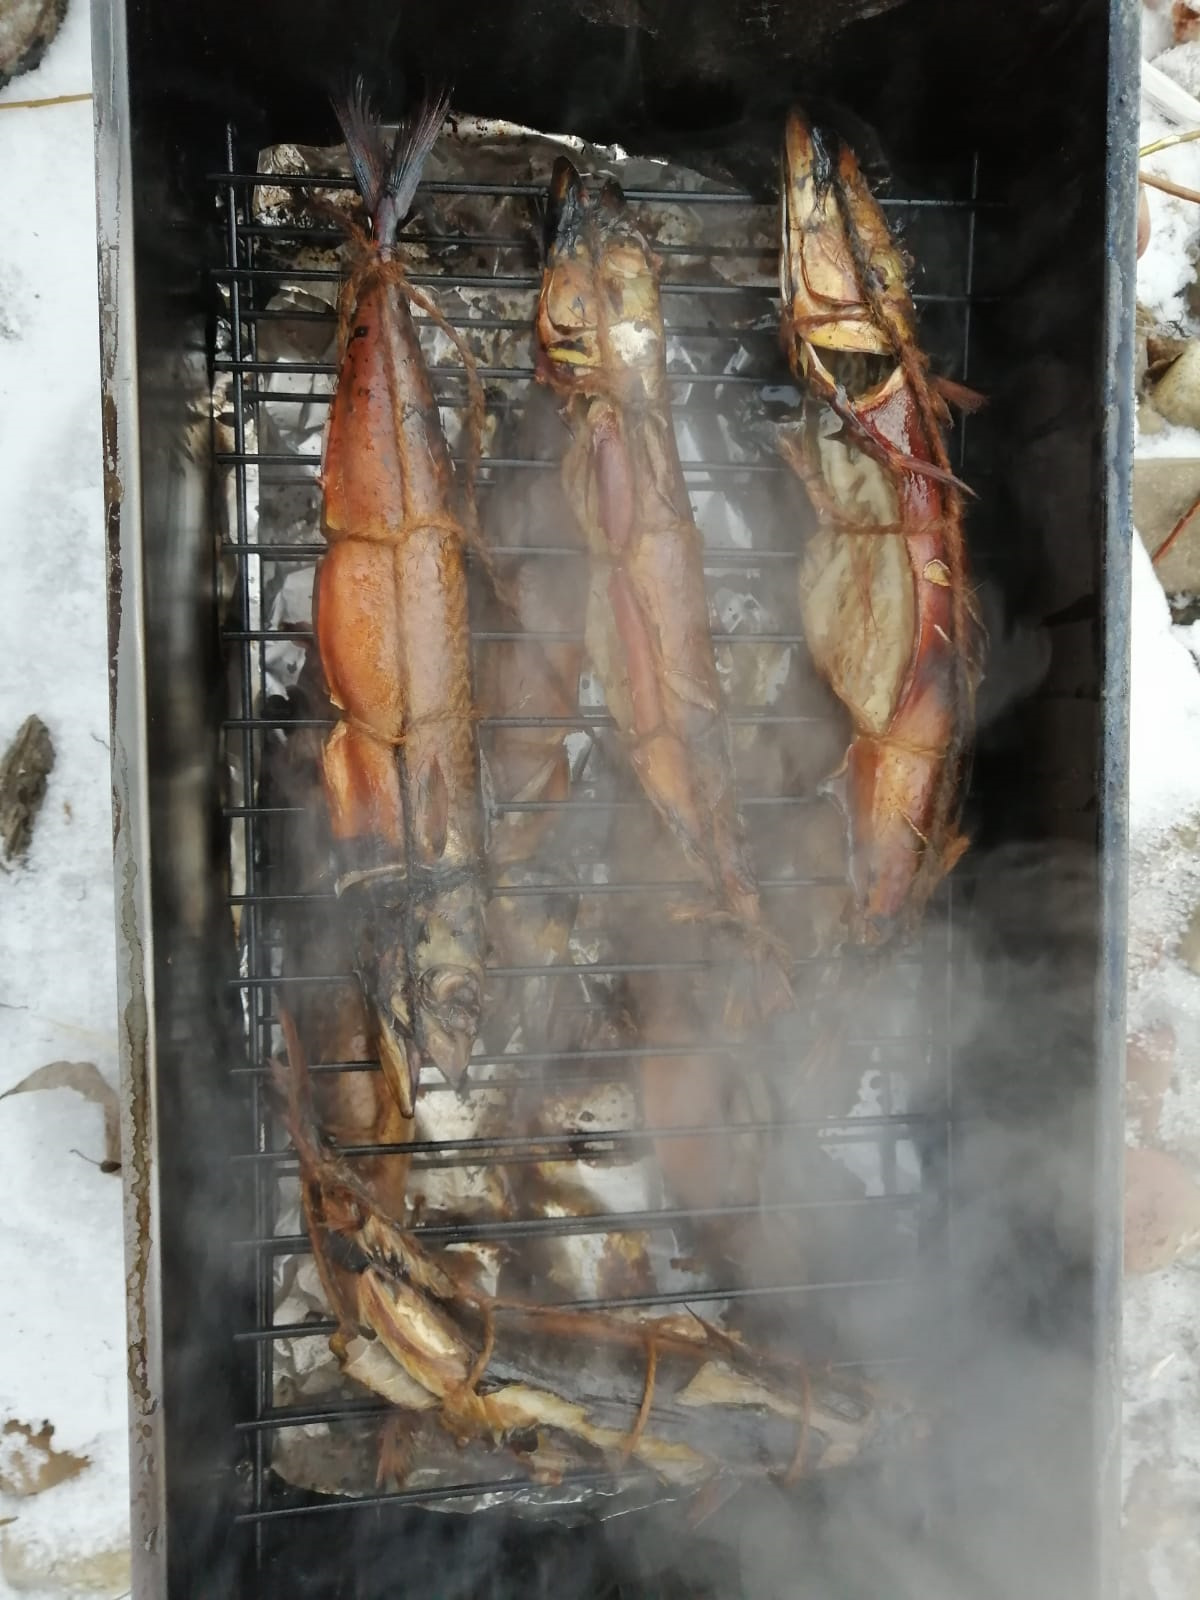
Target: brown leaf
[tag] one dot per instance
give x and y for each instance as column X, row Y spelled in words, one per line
column 86, row 1079
column 29, row 1463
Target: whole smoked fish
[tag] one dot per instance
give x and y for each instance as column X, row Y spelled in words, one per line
column 400, row 767
column 884, row 587
column 670, row 1393
column 601, row 349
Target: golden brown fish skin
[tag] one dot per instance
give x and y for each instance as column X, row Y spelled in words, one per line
column 600, row 348
column 400, row 767
column 845, row 294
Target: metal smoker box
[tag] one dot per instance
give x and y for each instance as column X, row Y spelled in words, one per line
column 1010, row 130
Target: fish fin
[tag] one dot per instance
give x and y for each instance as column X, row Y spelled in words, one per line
column 953, row 852
column 691, row 691
column 388, row 179
column 958, row 394
column 369, row 155
column 294, row 1084
column 563, row 201
column 415, row 138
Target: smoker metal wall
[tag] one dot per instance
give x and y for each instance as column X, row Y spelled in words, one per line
column 1059, row 352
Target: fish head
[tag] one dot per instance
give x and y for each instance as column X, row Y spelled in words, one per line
column 447, row 967
column 598, row 326
column 833, row 231
column 449, row 1006
column 399, row 1054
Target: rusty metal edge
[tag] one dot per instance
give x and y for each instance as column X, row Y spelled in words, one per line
column 130, row 796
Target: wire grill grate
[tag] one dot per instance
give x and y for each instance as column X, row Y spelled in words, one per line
column 893, row 1131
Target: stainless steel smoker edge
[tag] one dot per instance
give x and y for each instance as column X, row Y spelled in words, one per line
column 1120, row 229
column 128, row 674
column 130, row 795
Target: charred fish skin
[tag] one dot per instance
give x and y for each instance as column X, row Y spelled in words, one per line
column 401, row 765
column 600, row 346
column 884, row 588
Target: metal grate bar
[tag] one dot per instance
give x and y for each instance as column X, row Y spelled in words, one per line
column 537, row 191
column 281, row 458
column 254, row 562
column 584, row 721
column 611, row 1222
column 499, row 636
column 716, row 557
column 583, row 1144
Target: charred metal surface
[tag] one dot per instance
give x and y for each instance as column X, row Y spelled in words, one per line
column 935, row 79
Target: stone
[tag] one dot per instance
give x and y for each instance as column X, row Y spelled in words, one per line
column 1164, row 492
column 1162, row 1210
column 1176, row 395
column 26, row 29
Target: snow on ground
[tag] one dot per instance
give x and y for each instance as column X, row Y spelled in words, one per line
column 1161, row 1450
column 1166, row 273
column 1164, row 711
column 61, row 1275
column 61, row 1268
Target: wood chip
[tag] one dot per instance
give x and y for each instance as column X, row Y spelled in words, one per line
column 24, row 769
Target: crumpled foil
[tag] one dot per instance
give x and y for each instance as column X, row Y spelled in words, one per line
column 476, row 251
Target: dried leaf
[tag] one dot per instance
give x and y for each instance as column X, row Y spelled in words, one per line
column 86, row 1079
column 29, row 1463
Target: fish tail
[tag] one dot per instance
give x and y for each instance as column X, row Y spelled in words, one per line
column 387, row 178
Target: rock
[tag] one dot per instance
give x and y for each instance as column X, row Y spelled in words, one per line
column 1162, row 1210
column 1189, row 944
column 1164, row 492
column 1149, row 1065
column 26, row 28
column 28, row 1564
column 1176, row 395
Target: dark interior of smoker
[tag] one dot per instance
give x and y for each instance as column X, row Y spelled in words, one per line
column 1021, row 1488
